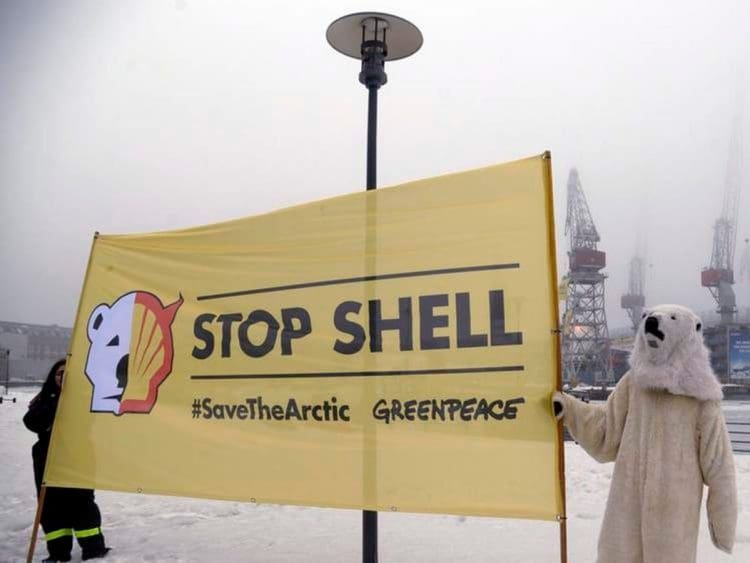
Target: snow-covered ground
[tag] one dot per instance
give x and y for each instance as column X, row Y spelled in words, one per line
column 152, row 528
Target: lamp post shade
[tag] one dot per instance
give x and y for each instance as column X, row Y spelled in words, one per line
column 348, row 33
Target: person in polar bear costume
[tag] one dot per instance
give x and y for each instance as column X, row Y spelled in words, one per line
column 664, row 429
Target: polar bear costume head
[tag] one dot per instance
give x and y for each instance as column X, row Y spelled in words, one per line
column 669, row 354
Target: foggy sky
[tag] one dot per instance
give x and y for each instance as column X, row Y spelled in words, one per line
column 126, row 117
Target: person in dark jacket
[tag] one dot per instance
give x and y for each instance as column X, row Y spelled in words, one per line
column 66, row 512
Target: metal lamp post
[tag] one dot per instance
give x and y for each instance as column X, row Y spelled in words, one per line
column 373, row 38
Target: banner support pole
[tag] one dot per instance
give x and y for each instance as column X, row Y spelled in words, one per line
column 35, row 527
column 563, row 540
column 556, row 335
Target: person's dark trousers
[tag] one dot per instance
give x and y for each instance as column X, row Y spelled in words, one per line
column 87, row 522
column 58, row 531
column 69, row 512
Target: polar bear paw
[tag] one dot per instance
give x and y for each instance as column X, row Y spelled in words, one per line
column 558, row 405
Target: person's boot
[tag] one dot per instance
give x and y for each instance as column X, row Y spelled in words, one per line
column 59, row 547
column 95, row 553
column 92, row 543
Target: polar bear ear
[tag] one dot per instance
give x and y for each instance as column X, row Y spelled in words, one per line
column 96, row 320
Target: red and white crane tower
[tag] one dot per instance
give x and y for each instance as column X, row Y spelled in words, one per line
column 635, row 299
column 719, row 276
column 585, row 336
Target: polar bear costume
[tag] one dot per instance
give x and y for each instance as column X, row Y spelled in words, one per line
column 664, row 429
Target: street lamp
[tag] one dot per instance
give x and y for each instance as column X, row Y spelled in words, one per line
column 373, row 38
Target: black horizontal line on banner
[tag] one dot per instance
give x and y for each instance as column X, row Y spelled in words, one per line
column 438, row 272
column 444, row 371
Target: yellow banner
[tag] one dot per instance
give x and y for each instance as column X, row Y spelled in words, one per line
column 384, row 350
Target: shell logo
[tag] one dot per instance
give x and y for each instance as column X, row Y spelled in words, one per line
column 131, row 352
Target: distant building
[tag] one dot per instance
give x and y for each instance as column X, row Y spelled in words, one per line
column 32, row 348
column 730, row 352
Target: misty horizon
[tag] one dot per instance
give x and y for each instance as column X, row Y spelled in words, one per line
column 142, row 117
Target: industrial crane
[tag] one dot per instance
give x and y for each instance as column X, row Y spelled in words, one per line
column 719, row 276
column 635, row 299
column 745, row 262
column 585, row 336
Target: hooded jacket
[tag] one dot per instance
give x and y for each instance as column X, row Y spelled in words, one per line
column 39, row 419
column 664, row 429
